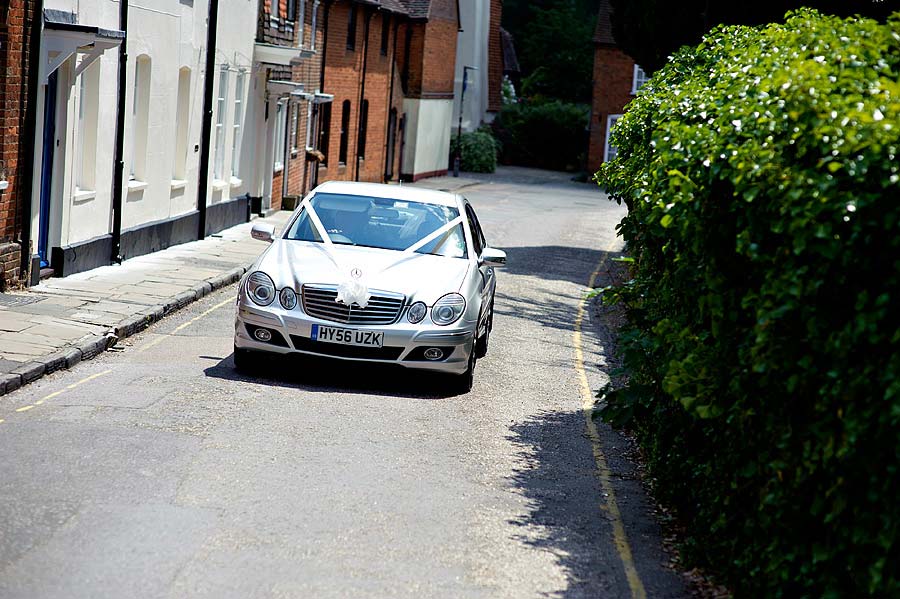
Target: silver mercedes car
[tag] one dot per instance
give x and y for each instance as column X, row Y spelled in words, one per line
column 372, row 273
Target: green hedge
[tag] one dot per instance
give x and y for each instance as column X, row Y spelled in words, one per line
column 543, row 133
column 478, row 152
column 762, row 177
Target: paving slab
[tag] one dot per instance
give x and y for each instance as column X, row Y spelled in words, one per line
column 64, row 321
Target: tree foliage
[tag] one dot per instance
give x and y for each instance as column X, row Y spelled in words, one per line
column 761, row 173
column 554, row 45
column 651, row 30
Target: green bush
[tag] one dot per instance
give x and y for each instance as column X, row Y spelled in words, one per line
column 478, row 152
column 761, row 174
column 543, row 134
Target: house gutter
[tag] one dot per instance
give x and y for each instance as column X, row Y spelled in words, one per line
column 27, row 176
column 206, row 130
column 362, row 89
column 390, row 101
column 119, row 151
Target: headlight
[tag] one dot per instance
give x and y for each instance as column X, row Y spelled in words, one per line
column 288, row 298
column 416, row 312
column 260, row 288
column 448, row 309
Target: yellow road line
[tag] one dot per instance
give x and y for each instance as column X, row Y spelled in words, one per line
column 181, row 327
column 61, row 391
column 24, row 408
column 620, row 539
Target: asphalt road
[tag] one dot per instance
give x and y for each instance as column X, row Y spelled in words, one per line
column 157, row 471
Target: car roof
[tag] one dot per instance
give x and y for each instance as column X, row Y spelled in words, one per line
column 394, row 192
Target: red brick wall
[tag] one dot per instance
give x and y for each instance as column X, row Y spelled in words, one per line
column 343, row 78
column 613, row 80
column 495, row 58
column 15, row 39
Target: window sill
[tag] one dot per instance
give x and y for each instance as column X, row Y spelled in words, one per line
column 4, row 185
column 235, row 182
column 83, row 195
column 178, row 184
column 135, row 185
column 219, row 185
column 278, row 167
column 294, row 152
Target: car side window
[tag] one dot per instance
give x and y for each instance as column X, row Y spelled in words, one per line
column 477, row 233
column 473, row 227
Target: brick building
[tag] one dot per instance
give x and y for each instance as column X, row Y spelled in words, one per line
column 616, row 80
column 16, row 32
column 387, row 68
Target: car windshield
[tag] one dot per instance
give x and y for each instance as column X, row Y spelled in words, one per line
column 381, row 223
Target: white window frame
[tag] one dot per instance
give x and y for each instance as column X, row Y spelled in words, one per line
column 638, row 79
column 312, row 29
column 280, row 126
column 88, row 105
column 238, row 124
column 295, row 126
column 611, row 121
column 221, row 109
column 301, row 21
column 140, row 119
column 182, row 124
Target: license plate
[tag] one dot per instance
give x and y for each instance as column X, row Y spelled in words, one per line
column 347, row 336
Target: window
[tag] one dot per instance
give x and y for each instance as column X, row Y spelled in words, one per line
column 610, row 151
column 295, row 126
column 291, row 10
column 325, row 131
column 140, row 119
column 273, row 9
column 182, row 110
column 219, row 168
column 345, row 132
column 363, row 126
column 237, row 125
column 385, row 33
column 312, row 29
column 301, row 23
column 351, row 29
column 280, row 126
column 86, row 132
column 478, row 240
column 639, row 79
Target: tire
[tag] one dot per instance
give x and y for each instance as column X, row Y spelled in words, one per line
column 481, row 344
column 462, row 383
column 244, row 360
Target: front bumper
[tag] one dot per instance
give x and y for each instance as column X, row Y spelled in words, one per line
column 404, row 344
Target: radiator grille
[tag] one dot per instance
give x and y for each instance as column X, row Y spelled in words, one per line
column 383, row 307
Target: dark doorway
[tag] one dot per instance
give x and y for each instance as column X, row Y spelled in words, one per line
column 47, row 167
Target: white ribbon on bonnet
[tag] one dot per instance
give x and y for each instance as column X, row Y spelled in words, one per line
column 354, row 289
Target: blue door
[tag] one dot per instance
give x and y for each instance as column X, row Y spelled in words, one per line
column 47, row 167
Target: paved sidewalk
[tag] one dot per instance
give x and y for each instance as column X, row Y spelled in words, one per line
column 64, row 321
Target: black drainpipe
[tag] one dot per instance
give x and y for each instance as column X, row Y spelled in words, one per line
column 26, row 173
column 390, row 103
column 362, row 89
column 119, row 152
column 206, row 131
column 324, row 47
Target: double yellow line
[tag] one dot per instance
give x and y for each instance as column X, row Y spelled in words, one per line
column 610, row 506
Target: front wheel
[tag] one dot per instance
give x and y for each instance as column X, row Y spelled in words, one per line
column 481, row 344
column 244, row 360
column 462, row 383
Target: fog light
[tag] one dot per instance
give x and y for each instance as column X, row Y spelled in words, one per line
column 264, row 335
column 433, row 353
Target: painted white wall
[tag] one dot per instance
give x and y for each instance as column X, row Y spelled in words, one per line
column 173, row 34
column 427, row 135
column 472, row 51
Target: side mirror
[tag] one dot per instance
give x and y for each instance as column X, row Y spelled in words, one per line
column 263, row 232
column 493, row 257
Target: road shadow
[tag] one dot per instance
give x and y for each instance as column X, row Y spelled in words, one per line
column 556, row 262
column 312, row 374
column 566, row 515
